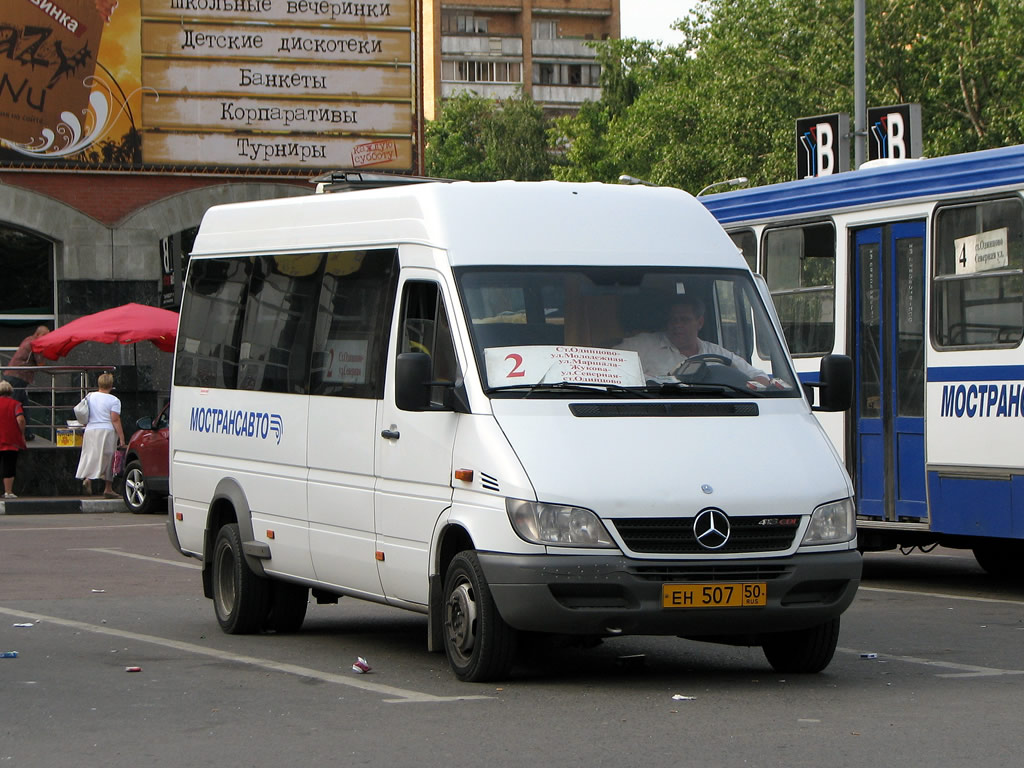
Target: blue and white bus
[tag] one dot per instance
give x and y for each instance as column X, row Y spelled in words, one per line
column 916, row 270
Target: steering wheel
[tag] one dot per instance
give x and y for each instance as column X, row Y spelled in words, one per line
column 697, row 365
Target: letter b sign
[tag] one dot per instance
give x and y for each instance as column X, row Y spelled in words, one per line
column 822, row 145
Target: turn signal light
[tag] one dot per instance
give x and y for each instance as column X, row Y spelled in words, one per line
column 464, row 474
column 270, row 534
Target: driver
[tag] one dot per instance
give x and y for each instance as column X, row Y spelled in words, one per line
column 662, row 352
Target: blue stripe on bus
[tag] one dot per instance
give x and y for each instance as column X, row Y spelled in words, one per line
column 928, row 178
column 977, row 373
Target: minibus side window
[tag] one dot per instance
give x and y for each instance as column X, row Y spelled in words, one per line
column 278, row 328
column 978, row 280
column 353, row 321
column 211, row 323
column 425, row 328
column 746, row 241
column 800, row 267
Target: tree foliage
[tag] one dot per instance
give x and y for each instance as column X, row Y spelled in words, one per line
column 479, row 139
column 724, row 102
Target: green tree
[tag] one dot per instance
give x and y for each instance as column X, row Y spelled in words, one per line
column 724, row 103
column 479, row 139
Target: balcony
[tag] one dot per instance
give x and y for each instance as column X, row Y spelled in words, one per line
column 564, row 48
column 482, row 45
column 487, row 90
column 567, row 95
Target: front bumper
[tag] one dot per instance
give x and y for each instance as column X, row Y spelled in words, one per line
column 608, row 595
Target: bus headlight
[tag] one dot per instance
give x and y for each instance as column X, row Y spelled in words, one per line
column 556, row 524
column 831, row 523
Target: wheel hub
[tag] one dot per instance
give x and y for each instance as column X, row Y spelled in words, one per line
column 460, row 619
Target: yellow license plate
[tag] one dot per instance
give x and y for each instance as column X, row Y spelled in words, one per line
column 714, row 595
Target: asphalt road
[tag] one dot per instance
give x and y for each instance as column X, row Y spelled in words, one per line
column 930, row 671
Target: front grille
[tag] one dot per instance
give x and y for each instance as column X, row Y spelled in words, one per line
column 702, row 573
column 674, row 536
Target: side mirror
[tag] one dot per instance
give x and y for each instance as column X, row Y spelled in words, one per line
column 835, row 390
column 146, row 422
column 412, row 381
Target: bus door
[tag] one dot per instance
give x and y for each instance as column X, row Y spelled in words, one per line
column 889, row 344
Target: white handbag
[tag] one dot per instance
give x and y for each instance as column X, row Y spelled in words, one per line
column 82, row 411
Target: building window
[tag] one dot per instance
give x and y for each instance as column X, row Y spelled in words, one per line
column 545, row 30
column 462, row 24
column 567, row 74
column 978, row 288
column 481, row 71
column 26, row 290
column 800, row 267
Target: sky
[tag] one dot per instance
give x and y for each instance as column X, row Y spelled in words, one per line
column 650, row 19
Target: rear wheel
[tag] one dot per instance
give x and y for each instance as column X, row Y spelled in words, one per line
column 1001, row 559
column 479, row 644
column 804, row 650
column 240, row 597
column 286, row 607
column 136, row 495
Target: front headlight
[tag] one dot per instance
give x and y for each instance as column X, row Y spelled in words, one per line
column 832, row 523
column 556, row 524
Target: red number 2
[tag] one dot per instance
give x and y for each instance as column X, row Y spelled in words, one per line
column 517, row 362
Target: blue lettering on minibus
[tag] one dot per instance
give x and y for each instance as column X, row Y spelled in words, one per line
column 237, row 423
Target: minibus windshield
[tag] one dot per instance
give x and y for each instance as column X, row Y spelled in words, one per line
column 622, row 331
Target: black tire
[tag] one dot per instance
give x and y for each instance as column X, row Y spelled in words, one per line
column 286, row 607
column 479, row 644
column 804, row 650
column 1001, row 560
column 240, row 597
column 134, row 491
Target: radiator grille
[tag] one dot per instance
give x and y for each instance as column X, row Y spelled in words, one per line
column 674, row 536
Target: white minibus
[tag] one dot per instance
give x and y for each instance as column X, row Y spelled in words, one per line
column 512, row 407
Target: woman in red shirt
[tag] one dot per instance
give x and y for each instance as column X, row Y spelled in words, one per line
column 12, row 436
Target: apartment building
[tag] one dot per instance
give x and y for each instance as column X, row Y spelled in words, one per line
column 495, row 47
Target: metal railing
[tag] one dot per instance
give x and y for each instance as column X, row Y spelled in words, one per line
column 52, row 395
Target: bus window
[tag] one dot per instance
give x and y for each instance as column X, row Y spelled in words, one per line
column 350, row 344
column 211, row 323
column 978, row 302
column 800, row 267
column 746, row 241
column 277, row 332
column 425, row 329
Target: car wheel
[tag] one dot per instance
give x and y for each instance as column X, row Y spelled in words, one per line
column 240, row 597
column 479, row 644
column 136, row 495
column 286, row 609
column 1001, row 560
column 803, row 651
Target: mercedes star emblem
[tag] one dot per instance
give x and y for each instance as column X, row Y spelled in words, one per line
column 711, row 528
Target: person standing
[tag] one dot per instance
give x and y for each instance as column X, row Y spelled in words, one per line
column 24, row 356
column 103, row 434
column 12, row 436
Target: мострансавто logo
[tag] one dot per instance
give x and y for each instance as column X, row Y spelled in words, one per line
column 237, row 423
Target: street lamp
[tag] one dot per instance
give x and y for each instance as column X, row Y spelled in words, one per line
column 727, row 183
column 624, row 179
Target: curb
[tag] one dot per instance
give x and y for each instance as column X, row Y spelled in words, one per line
column 60, row 506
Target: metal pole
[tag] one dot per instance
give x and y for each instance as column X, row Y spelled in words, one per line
column 860, row 127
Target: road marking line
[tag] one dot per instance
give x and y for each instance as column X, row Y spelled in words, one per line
column 400, row 695
column 84, row 527
column 964, row 670
column 941, row 594
column 164, row 561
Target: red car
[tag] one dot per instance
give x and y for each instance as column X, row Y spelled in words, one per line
column 145, row 483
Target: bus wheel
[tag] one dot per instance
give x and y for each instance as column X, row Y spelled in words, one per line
column 286, row 607
column 1001, row 559
column 239, row 595
column 804, row 650
column 479, row 644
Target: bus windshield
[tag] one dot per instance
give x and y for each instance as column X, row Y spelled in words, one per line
column 569, row 330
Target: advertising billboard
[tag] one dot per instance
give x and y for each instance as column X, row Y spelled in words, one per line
column 274, row 86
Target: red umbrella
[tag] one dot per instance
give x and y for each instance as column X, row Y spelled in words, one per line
column 126, row 324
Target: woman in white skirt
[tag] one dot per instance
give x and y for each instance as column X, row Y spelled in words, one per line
column 103, row 434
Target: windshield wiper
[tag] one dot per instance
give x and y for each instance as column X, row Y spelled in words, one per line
column 683, row 388
column 573, row 386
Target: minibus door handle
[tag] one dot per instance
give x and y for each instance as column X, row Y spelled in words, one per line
column 390, row 434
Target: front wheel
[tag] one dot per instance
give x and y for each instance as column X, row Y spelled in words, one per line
column 479, row 644
column 804, row 650
column 137, row 496
column 240, row 597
